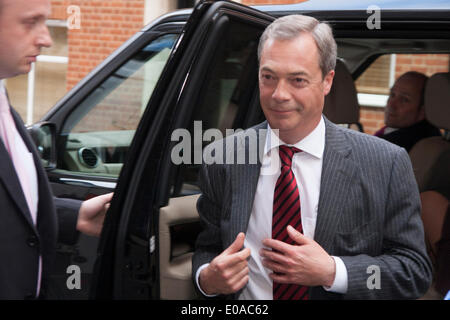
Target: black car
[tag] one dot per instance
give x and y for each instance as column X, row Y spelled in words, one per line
column 114, row 130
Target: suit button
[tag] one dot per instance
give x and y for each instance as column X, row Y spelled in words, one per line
column 32, row 241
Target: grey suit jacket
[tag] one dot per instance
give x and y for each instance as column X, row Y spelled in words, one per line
column 368, row 213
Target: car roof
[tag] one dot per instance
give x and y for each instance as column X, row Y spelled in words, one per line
column 326, row 9
column 327, row 5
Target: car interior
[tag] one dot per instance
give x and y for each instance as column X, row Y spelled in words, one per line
column 430, row 157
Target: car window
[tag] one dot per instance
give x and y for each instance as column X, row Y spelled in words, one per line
column 374, row 84
column 98, row 133
column 225, row 96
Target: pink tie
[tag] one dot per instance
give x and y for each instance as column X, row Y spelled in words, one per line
column 7, row 134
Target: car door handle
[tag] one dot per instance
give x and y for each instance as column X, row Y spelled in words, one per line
column 89, row 183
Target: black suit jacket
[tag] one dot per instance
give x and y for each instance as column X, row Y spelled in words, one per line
column 22, row 242
column 408, row 137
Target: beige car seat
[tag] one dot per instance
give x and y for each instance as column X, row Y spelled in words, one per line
column 430, row 157
column 341, row 104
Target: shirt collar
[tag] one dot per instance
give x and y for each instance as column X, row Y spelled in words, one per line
column 313, row 143
column 388, row 130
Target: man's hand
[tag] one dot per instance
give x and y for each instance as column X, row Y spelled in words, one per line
column 228, row 272
column 92, row 214
column 306, row 263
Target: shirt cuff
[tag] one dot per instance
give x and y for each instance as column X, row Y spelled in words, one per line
column 197, row 276
column 340, row 283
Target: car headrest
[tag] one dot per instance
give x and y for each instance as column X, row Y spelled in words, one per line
column 341, row 104
column 437, row 100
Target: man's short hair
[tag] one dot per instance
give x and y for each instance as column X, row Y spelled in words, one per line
column 291, row 26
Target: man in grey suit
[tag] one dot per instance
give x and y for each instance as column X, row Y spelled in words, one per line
column 351, row 225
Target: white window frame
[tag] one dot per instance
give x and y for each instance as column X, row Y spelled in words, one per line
column 379, row 100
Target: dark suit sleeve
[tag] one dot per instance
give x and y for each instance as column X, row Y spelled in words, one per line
column 67, row 214
column 209, row 242
column 405, row 269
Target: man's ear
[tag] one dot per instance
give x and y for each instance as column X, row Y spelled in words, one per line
column 328, row 82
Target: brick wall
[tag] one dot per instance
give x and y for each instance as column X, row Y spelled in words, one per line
column 372, row 119
column 105, row 25
column 425, row 63
column 59, row 8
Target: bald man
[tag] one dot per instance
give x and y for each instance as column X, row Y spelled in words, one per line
column 404, row 115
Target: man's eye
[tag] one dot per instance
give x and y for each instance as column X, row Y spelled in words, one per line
column 298, row 82
column 404, row 100
column 267, row 78
column 31, row 22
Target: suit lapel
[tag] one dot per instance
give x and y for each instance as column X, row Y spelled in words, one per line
column 10, row 179
column 244, row 180
column 338, row 172
column 28, row 142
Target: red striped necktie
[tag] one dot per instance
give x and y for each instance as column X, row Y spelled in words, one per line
column 286, row 211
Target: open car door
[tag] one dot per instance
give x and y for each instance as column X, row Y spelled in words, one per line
column 91, row 130
column 209, row 81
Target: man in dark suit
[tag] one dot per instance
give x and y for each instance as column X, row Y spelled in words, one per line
column 29, row 226
column 404, row 114
column 338, row 219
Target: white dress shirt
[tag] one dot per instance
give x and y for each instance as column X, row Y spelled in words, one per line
column 30, row 167
column 307, row 169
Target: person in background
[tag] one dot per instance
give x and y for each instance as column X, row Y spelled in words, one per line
column 404, row 115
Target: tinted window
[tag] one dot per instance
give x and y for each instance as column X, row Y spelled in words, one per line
column 100, row 130
column 225, row 97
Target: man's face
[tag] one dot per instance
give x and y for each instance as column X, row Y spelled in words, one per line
column 23, row 33
column 403, row 108
column 292, row 88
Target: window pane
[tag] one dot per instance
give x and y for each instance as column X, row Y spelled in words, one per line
column 376, row 78
column 101, row 128
column 225, row 95
column 59, row 47
column 50, row 86
column 224, row 99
